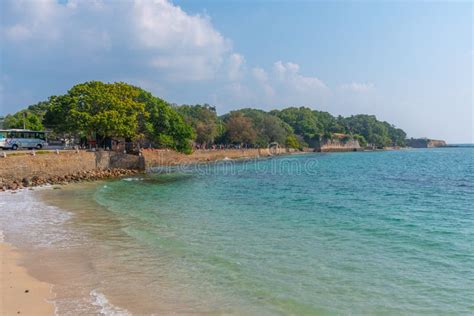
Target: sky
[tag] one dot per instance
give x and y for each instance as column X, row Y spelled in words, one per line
column 408, row 63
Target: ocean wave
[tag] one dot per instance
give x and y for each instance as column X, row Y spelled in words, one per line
column 132, row 179
column 105, row 307
column 25, row 212
column 2, row 236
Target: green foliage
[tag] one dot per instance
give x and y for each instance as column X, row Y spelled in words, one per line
column 397, row 135
column 95, row 107
column 361, row 140
column 374, row 132
column 30, row 118
column 303, row 120
column 23, row 119
column 203, row 119
column 329, row 124
column 315, row 125
column 239, row 129
column 268, row 128
column 166, row 126
column 293, row 142
column 119, row 110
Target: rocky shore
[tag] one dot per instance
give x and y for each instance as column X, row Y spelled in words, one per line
column 90, row 175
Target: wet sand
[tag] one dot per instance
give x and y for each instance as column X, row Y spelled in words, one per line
column 20, row 293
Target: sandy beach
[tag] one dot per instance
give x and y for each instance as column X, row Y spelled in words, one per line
column 20, row 293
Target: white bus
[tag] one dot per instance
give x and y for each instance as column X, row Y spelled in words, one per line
column 22, row 138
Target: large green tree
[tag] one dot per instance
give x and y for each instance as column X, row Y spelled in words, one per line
column 204, row 120
column 104, row 109
column 118, row 110
column 239, row 130
column 164, row 125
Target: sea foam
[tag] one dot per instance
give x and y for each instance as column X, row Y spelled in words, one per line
column 105, row 307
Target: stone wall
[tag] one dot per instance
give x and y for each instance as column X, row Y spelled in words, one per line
column 337, row 145
column 18, row 165
column 155, row 158
column 338, row 142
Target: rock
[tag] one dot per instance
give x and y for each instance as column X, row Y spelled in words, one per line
column 25, row 181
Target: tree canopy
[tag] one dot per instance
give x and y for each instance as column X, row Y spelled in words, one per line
column 105, row 110
column 239, row 129
column 268, row 128
column 118, row 110
column 29, row 118
column 204, row 120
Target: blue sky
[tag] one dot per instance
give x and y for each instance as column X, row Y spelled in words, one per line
column 409, row 63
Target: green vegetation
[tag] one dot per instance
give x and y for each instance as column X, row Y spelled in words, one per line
column 379, row 134
column 106, row 110
column 118, row 110
column 261, row 128
column 203, row 119
column 30, row 118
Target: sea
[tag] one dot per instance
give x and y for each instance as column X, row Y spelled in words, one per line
column 360, row 233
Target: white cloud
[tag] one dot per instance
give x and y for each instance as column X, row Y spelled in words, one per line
column 289, row 74
column 35, row 19
column 261, row 77
column 260, row 74
column 236, row 64
column 162, row 35
column 187, row 45
column 358, row 87
column 149, row 41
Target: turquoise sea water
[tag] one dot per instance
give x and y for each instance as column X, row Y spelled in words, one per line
column 364, row 233
column 378, row 233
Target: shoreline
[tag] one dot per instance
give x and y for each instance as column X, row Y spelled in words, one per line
column 21, row 294
column 35, row 179
column 81, row 176
column 38, row 266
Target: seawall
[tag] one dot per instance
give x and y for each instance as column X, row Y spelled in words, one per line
column 156, row 158
column 20, row 165
column 337, row 145
column 21, row 169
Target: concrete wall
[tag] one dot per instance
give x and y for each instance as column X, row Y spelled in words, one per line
column 19, row 166
column 335, row 145
column 155, row 158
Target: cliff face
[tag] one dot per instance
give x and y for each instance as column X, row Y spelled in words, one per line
column 436, row 143
column 425, row 143
column 338, row 142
